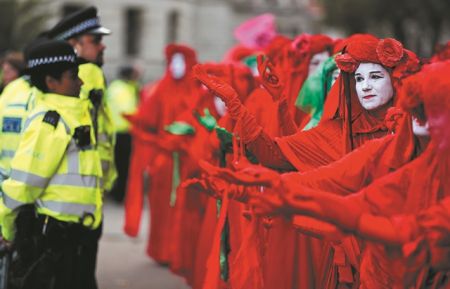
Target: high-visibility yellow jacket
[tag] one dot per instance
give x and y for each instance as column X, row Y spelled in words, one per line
column 12, row 89
column 56, row 167
column 16, row 102
column 122, row 97
column 95, row 86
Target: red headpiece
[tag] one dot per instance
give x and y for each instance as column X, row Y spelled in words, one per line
column 188, row 53
column 312, row 44
column 387, row 52
column 340, row 44
column 320, row 43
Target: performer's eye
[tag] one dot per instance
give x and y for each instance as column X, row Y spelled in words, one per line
column 376, row 76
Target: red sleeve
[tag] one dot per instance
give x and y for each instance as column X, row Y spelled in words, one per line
column 266, row 150
column 287, row 123
column 303, row 151
column 387, row 195
column 317, row 147
column 347, row 175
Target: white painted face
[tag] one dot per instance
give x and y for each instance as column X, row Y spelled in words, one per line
column 220, row 106
column 419, row 129
column 335, row 75
column 316, row 60
column 177, row 66
column 373, row 85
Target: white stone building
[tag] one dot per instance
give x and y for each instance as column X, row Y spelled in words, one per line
column 142, row 28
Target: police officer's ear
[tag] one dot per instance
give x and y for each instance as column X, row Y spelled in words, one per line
column 75, row 42
column 52, row 83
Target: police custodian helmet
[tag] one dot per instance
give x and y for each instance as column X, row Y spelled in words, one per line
column 78, row 23
column 51, row 54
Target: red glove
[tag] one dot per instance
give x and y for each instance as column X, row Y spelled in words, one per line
column 268, row 203
column 271, row 77
column 236, row 110
column 220, row 88
column 298, row 52
column 213, row 187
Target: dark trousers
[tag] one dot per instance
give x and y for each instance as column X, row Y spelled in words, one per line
column 122, row 153
column 53, row 255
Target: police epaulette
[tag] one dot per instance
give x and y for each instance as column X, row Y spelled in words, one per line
column 51, row 117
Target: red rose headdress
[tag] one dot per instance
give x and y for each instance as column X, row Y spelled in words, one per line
column 387, row 52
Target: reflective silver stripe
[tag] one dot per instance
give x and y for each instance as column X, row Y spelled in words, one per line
column 31, row 118
column 4, row 174
column 103, row 137
column 66, row 207
column 21, row 105
column 8, row 153
column 74, row 180
column 29, row 178
column 65, row 125
column 10, row 202
column 105, row 166
column 73, row 162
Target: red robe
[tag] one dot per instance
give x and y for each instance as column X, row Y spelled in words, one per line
column 169, row 99
column 413, row 188
column 242, row 81
column 248, row 236
column 306, row 150
column 190, row 206
column 351, row 173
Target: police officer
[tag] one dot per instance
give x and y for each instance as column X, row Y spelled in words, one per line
column 56, row 171
column 16, row 102
column 82, row 30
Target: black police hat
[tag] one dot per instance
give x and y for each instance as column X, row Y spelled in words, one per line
column 50, row 54
column 77, row 23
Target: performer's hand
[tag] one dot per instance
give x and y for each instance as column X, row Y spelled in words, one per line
column 299, row 199
column 211, row 186
column 216, row 85
column 223, row 90
column 436, row 224
column 271, row 78
column 251, row 175
column 298, row 51
column 287, row 198
column 267, row 203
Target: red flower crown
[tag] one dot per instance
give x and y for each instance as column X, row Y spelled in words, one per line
column 389, row 53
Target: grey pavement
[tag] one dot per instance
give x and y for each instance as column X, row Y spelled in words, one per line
column 122, row 261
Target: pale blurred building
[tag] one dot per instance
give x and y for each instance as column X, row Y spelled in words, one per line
column 142, row 28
